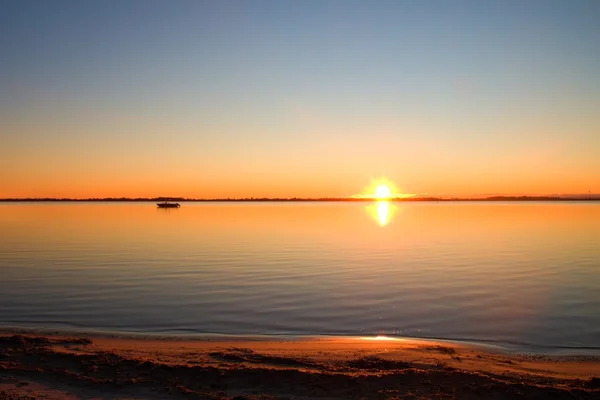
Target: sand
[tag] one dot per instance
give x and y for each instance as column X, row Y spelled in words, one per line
column 73, row 367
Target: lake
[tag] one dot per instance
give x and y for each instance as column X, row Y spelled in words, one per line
column 510, row 273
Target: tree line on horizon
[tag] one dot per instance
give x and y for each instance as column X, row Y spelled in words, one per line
column 298, row 199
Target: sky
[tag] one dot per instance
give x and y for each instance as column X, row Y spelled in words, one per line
column 298, row 98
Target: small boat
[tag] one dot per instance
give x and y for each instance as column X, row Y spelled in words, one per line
column 166, row 204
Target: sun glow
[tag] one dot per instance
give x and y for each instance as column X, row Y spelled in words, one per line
column 383, row 191
column 381, row 337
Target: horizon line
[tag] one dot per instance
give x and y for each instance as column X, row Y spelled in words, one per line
column 568, row 197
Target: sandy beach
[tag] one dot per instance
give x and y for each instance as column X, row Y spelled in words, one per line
column 76, row 367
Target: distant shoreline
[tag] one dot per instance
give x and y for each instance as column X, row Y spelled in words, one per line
column 325, row 199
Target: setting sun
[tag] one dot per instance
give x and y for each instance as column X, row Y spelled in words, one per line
column 381, row 189
column 383, row 192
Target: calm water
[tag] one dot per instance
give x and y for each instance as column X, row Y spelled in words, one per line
column 525, row 273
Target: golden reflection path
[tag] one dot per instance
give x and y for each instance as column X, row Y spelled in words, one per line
column 382, row 211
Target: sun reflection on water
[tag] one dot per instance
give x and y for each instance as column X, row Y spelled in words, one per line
column 382, row 211
column 381, row 337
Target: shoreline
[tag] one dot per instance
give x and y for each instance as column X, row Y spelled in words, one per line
column 509, row 348
column 73, row 365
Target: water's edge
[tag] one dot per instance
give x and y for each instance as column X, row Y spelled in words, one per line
column 486, row 345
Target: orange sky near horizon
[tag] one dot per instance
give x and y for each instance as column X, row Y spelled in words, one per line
column 309, row 181
column 130, row 157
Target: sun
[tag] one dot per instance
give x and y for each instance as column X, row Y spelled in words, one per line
column 383, row 191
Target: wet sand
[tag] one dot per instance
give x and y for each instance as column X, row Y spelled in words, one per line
column 67, row 367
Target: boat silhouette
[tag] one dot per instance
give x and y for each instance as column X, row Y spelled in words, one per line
column 167, row 204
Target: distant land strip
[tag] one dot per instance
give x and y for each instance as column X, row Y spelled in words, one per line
column 594, row 197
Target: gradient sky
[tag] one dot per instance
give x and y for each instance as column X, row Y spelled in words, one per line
column 298, row 98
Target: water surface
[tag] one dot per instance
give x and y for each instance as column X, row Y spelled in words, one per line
column 525, row 273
